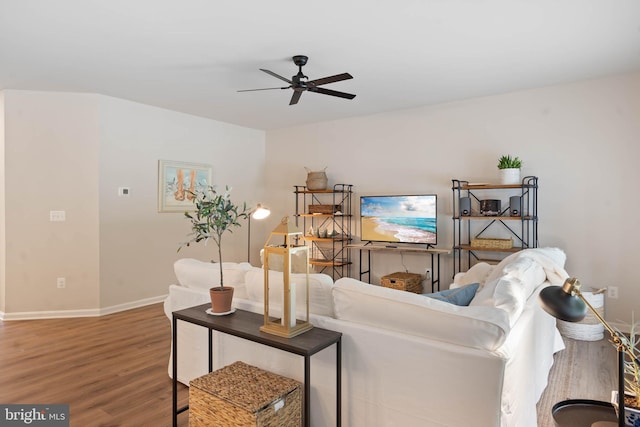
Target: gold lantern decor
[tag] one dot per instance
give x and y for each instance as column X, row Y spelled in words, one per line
column 288, row 325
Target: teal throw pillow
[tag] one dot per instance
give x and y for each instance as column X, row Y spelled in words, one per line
column 458, row 296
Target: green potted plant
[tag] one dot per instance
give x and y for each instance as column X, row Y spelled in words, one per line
column 215, row 214
column 509, row 169
column 631, row 376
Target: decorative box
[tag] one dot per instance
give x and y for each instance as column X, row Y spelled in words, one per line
column 410, row 282
column 243, row 395
column 325, row 209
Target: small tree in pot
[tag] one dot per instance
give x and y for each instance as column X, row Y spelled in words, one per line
column 215, row 214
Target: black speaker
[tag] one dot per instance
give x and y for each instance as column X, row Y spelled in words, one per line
column 515, row 206
column 465, row 206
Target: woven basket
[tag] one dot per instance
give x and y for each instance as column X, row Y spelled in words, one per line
column 589, row 328
column 241, row 395
column 492, row 243
column 410, row 282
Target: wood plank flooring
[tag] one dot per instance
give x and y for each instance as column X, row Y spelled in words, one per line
column 584, row 370
column 112, row 370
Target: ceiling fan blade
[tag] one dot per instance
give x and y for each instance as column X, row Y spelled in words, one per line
column 331, row 79
column 332, row 92
column 296, row 96
column 277, row 76
column 266, row 88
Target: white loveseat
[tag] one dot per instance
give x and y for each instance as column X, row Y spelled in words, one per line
column 407, row 360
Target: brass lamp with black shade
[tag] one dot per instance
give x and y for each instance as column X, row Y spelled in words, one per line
column 567, row 303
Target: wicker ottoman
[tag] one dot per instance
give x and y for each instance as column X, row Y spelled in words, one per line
column 403, row 281
column 242, row 395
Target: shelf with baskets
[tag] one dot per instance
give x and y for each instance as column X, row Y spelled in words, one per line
column 490, row 221
column 325, row 216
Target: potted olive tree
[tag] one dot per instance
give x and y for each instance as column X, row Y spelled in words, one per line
column 214, row 215
column 509, row 168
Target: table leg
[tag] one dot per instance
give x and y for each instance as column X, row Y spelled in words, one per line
column 339, row 382
column 175, row 372
column 210, row 350
column 307, row 391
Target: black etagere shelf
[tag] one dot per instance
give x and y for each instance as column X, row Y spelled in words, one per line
column 329, row 210
column 520, row 224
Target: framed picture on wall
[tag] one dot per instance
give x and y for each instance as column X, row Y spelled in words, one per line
column 175, row 182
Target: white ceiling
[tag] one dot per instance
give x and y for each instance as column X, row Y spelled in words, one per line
column 193, row 55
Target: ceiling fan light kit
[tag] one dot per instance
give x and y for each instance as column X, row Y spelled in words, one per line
column 301, row 83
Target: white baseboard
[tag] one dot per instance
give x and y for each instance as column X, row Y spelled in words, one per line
column 91, row 312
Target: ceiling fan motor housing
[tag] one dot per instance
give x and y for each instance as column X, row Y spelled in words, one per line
column 300, row 60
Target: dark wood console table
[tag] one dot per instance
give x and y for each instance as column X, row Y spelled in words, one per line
column 245, row 324
column 435, row 259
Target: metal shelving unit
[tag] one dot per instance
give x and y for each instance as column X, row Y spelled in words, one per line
column 329, row 254
column 522, row 228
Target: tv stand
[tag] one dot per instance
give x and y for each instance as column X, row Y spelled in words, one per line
column 429, row 250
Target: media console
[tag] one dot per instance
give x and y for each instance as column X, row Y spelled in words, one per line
column 433, row 252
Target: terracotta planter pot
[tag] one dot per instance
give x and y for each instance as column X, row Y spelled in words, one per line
column 221, row 299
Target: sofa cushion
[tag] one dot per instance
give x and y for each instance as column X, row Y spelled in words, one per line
column 479, row 327
column 320, row 301
column 507, row 293
column 521, row 266
column 478, row 273
column 510, row 284
column 197, row 274
column 458, row 296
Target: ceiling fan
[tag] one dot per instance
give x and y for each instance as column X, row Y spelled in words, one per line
column 300, row 83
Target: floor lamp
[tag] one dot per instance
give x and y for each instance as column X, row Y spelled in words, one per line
column 567, row 303
column 259, row 212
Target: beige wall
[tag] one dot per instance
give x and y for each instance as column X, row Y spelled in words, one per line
column 137, row 244
column 3, row 266
column 71, row 152
column 581, row 140
column 51, row 157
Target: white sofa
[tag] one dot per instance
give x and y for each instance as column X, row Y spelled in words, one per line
column 407, row 360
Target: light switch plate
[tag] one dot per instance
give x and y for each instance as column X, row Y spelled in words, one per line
column 57, row 216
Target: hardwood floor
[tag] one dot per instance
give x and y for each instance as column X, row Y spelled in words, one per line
column 112, row 370
column 584, row 370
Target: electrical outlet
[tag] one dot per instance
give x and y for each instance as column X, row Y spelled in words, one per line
column 612, row 292
column 427, row 273
column 61, row 282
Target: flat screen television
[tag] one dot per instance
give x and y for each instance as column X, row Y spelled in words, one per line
column 399, row 219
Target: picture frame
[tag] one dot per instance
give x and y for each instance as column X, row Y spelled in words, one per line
column 176, row 179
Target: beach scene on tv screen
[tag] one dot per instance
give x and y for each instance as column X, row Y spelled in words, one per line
column 402, row 219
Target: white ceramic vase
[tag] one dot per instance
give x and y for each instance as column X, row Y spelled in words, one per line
column 509, row 176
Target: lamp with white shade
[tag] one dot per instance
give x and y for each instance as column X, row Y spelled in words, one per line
column 259, row 212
